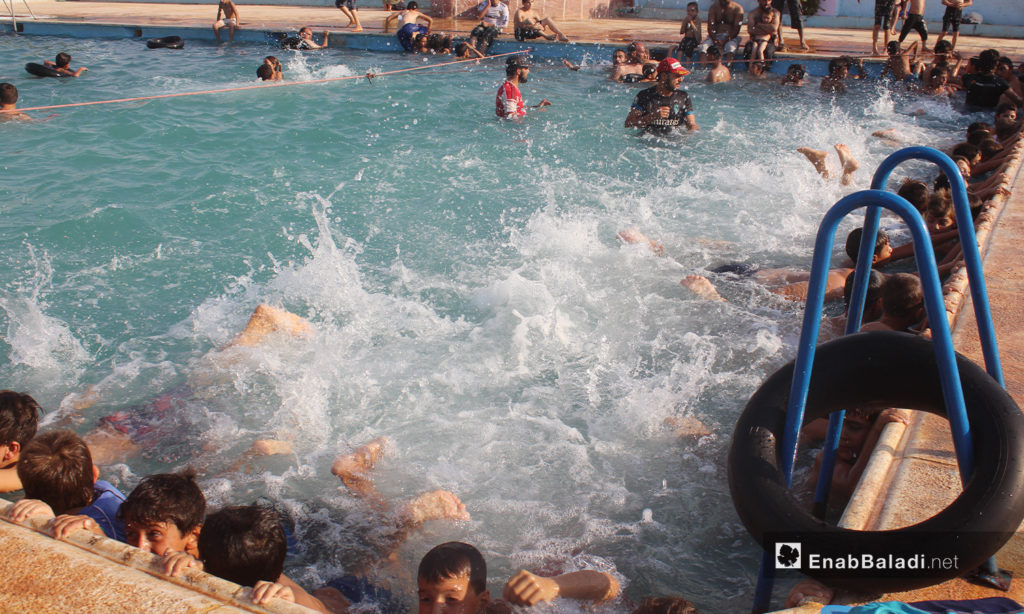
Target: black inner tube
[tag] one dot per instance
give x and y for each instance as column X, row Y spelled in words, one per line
column 167, row 42
column 882, row 370
column 42, row 70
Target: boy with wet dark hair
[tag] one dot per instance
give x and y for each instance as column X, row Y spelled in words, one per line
column 245, row 544
column 62, row 64
column 883, row 248
column 59, row 479
column 900, row 61
column 902, row 304
column 453, row 577
column 915, row 192
column 19, row 419
column 9, row 103
column 165, row 513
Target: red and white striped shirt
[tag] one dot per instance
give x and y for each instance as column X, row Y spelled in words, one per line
column 510, row 102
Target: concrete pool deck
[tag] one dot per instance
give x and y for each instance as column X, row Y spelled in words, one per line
column 928, row 441
column 824, row 42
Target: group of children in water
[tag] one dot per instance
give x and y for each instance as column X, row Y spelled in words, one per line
column 165, row 514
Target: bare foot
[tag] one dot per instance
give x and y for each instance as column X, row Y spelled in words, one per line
column 848, row 162
column 809, row 591
column 817, row 158
column 875, row 52
column 265, row 320
column 360, row 460
column 269, row 447
column 359, row 29
column 804, row 46
column 632, row 235
column 702, row 286
column 436, row 505
column 563, row 38
column 688, row 427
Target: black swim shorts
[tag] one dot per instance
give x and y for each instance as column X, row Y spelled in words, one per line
column 525, row 34
column 951, row 19
column 883, row 9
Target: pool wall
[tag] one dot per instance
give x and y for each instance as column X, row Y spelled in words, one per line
column 88, row 573
column 816, row 65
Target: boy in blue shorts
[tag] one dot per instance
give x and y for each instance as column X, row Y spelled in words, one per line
column 19, row 418
column 60, row 480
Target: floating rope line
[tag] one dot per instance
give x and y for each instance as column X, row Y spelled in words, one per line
column 369, row 76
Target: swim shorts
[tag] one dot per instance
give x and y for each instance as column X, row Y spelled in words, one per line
column 914, row 22
column 883, row 9
column 951, row 19
column 530, row 33
column 349, row 4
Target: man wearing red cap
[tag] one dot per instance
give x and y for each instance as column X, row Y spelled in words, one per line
column 510, row 103
column 661, row 108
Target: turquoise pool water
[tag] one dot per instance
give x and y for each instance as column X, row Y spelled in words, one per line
column 469, row 297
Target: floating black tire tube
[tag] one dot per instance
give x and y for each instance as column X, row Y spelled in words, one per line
column 42, row 70
column 167, row 42
column 870, row 371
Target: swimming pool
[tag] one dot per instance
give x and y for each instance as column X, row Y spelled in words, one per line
column 469, row 296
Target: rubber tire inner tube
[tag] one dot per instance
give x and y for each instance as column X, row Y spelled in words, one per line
column 167, row 42
column 872, row 371
column 290, row 42
column 42, row 70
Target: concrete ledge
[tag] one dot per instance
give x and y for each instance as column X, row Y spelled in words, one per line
column 87, row 573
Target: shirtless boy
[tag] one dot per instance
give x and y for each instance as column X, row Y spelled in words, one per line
column 719, row 72
column 529, row 24
column 9, row 103
column 227, row 17
column 762, row 24
column 915, row 21
column 900, row 61
column 951, row 18
column 62, row 64
column 690, row 31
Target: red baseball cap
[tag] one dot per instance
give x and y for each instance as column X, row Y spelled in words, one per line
column 673, row 66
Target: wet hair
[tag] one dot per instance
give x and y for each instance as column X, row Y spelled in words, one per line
column 979, row 126
column 893, row 47
column 876, row 281
column 936, row 71
column 166, row 497
column 853, row 242
column 1004, row 107
column 19, row 417
column 915, row 192
column 1005, row 127
column 461, row 48
column 940, row 204
column 689, row 4
column 971, row 152
column 265, row 72
column 649, row 70
column 1005, row 61
column 62, row 60
column 56, row 468
column 797, row 69
column 454, row 560
column 835, row 64
column 943, row 46
column 243, row 544
column 665, row 605
column 989, row 147
column 713, row 52
column 439, row 42
column 902, row 296
column 412, row 6
column 976, row 137
column 8, row 93
column 990, row 54
column 985, row 63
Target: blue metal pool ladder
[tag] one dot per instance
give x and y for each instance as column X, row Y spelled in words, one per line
column 874, row 199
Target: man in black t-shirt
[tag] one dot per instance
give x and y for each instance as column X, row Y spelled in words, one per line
column 984, row 88
column 661, row 108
